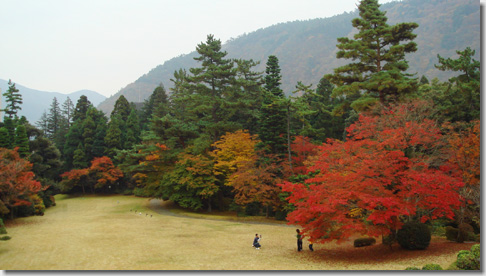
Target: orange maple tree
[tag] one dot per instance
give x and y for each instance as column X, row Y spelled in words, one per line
column 102, row 172
column 464, row 157
column 387, row 172
column 16, row 179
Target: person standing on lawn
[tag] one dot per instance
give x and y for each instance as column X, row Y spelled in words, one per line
column 299, row 240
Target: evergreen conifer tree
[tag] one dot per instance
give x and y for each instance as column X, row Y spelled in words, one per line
column 22, row 141
column 133, row 130
column 4, row 139
column 378, row 54
column 211, row 91
column 81, row 108
column 113, row 138
column 13, row 99
column 9, row 124
column 79, row 158
column 67, row 111
column 273, row 113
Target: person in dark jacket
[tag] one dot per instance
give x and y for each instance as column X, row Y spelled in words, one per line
column 256, row 241
column 299, row 240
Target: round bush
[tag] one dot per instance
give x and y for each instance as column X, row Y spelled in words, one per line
column 451, row 233
column 414, row 235
column 5, row 238
column 465, row 230
column 469, row 260
column 432, row 267
column 412, row 268
column 364, row 242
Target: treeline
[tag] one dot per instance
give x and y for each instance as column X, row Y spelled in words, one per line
column 351, row 153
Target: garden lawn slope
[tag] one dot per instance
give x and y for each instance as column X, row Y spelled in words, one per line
column 100, row 233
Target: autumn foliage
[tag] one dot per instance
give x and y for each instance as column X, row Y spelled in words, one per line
column 101, row 173
column 244, row 169
column 16, row 180
column 388, row 171
column 464, row 157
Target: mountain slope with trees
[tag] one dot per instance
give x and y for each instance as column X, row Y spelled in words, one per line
column 307, row 49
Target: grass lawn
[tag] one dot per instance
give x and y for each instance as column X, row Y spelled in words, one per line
column 100, row 233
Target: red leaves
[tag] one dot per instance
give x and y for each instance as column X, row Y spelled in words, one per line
column 386, row 169
column 102, row 172
column 16, row 178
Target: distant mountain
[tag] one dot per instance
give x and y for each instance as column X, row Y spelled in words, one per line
column 307, row 49
column 35, row 102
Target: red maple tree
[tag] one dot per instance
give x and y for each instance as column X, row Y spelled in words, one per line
column 102, row 172
column 387, row 172
column 16, row 179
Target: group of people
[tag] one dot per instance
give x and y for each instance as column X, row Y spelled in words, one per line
column 256, row 242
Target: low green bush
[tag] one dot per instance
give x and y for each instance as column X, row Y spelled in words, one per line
column 469, row 260
column 364, row 242
column 5, row 238
column 412, row 268
column 414, row 236
column 432, row 267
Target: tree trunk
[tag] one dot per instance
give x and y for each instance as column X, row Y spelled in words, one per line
column 209, row 206
column 288, row 139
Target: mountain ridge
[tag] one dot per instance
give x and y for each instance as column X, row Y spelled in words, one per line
column 307, row 49
column 35, row 102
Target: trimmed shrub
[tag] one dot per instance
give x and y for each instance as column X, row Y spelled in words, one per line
column 469, row 260
column 364, row 242
column 3, row 230
column 412, row 268
column 414, row 235
column 451, row 233
column 5, row 238
column 465, row 230
column 39, row 206
column 432, row 267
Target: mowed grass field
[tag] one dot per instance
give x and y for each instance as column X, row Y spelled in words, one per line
column 100, row 233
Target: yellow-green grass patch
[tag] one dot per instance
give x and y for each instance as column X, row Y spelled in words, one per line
column 100, row 233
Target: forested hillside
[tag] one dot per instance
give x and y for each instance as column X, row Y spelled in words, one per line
column 307, row 49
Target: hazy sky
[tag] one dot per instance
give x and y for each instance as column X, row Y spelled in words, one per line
column 66, row 46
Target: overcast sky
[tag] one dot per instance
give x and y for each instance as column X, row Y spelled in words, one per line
column 66, row 46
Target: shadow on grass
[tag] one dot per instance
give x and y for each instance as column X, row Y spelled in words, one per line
column 383, row 253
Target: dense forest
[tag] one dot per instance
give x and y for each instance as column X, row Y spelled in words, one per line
column 367, row 151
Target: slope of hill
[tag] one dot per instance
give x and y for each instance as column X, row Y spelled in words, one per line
column 307, row 49
column 35, row 102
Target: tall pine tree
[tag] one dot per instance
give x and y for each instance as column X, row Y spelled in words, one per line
column 13, row 99
column 378, row 50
